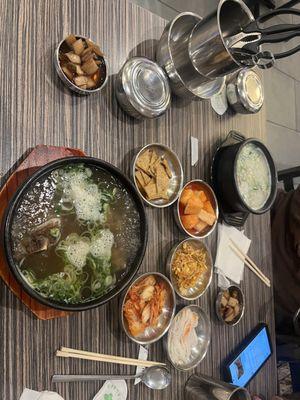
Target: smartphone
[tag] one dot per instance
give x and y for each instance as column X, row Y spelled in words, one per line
column 249, row 358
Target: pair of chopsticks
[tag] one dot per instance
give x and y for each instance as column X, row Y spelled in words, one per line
column 250, row 263
column 87, row 355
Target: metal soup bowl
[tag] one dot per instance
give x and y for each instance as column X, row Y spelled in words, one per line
column 203, row 282
column 203, row 332
column 69, row 83
column 241, row 299
column 153, row 334
column 176, row 181
column 212, row 197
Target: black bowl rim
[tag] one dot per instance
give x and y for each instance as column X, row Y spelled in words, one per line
column 24, row 187
column 269, row 202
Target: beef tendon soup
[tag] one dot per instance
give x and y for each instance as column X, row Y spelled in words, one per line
column 253, row 176
column 75, row 234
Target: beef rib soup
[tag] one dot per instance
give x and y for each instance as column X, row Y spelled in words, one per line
column 253, row 176
column 75, row 233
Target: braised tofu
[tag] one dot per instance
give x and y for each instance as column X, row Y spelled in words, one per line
column 154, row 175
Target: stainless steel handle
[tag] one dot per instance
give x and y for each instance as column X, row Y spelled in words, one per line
column 240, row 39
column 264, row 60
column 90, row 378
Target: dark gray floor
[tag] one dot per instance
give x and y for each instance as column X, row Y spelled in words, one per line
column 282, row 85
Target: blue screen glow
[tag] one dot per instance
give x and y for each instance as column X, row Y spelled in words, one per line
column 251, row 359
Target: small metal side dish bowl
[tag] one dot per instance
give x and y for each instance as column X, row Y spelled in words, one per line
column 172, row 54
column 245, row 92
column 152, row 335
column 241, row 299
column 203, row 332
column 70, row 84
column 212, row 197
column 176, row 181
column 203, row 283
column 142, row 88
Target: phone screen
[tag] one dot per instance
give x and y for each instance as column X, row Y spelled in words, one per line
column 249, row 361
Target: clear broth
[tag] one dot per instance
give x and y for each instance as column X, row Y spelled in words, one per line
column 39, row 205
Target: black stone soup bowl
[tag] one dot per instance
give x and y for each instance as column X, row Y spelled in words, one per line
column 132, row 267
column 226, row 177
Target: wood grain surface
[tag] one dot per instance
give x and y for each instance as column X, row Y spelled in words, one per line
column 37, row 109
column 35, row 159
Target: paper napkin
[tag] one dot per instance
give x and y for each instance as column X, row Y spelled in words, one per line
column 228, row 264
column 112, row 390
column 194, row 151
column 143, row 355
column 33, row 395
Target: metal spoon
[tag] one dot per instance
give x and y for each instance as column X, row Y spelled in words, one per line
column 152, row 377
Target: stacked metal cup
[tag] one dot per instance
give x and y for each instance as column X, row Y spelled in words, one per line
column 194, row 53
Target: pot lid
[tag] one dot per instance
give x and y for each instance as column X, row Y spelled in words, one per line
column 250, row 89
column 146, row 86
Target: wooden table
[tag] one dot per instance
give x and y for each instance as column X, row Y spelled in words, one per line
column 36, row 108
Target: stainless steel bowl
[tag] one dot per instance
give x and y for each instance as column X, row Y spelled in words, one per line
column 176, row 181
column 201, row 286
column 241, row 299
column 200, row 387
column 208, row 50
column 67, row 81
column 210, row 89
column 208, row 230
column 152, row 335
column 203, row 332
column 142, row 88
column 172, row 54
column 245, row 92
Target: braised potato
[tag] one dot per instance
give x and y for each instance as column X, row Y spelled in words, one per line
column 82, row 62
column 230, row 306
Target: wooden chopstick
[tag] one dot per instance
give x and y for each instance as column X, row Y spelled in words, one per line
column 106, row 356
column 261, row 277
column 250, row 264
column 138, row 363
column 246, row 257
column 86, row 355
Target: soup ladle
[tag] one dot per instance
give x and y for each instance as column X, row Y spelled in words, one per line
column 153, row 377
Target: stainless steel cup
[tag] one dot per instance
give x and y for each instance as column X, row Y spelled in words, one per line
column 201, row 387
column 173, row 55
column 207, row 48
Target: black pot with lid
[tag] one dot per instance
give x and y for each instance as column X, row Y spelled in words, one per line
column 226, row 177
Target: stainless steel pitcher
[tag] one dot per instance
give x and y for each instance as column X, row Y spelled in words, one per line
column 207, row 48
column 201, row 387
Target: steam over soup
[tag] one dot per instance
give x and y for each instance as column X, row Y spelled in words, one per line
column 75, row 234
column 253, row 176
